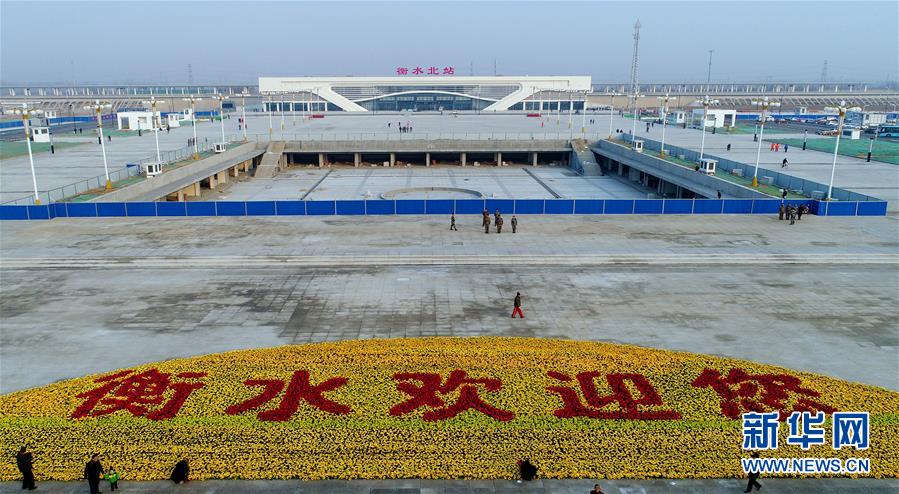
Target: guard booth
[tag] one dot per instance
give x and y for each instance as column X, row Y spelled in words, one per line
column 707, row 166
column 173, row 120
column 151, row 169
column 220, row 147
column 40, row 134
column 637, row 145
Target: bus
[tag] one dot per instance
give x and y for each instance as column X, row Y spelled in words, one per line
column 888, row 131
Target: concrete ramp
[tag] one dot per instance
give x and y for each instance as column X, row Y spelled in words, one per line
column 271, row 160
column 583, row 160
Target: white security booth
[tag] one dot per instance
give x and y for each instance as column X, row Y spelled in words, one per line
column 716, row 118
column 137, row 120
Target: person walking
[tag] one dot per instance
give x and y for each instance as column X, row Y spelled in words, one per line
column 753, row 478
column 786, row 147
column 499, row 224
column 597, row 489
column 527, row 470
column 92, row 472
column 783, row 193
column 24, row 461
column 453, row 222
column 792, row 211
column 802, row 210
column 783, row 164
column 486, row 221
column 514, row 224
column 728, row 147
column 781, row 211
column 719, row 194
column 180, row 473
column 517, row 306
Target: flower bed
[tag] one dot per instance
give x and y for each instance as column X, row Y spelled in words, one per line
column 430, row 408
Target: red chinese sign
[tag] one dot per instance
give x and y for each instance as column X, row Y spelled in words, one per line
column 151, row 394
column 299, row 389
column 159, row 395
column 432, row 70
column 432, row 385
column 741, row 392
column 597, row 407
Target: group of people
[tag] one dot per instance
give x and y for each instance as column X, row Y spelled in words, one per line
column 403, row 129
column 791, row 212
column 94, row 472
column 498, row 221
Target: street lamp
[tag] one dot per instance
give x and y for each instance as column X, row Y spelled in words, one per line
column 281, row 109
column 664, row 120
column 270, row 110
column 243, row 111
column 612, row 109
column 764, row 104
column 98, row 108
column 636, row 97
column 293, row 109
column 584, row 115
column 706, row 103
column 193, row 120
column 221, row 97
column 26, row 125
column 836, row 148
column 152, row 104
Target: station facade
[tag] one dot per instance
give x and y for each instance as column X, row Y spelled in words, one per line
column 426, row 93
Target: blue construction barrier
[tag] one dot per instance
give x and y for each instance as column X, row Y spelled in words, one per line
column 438, row 207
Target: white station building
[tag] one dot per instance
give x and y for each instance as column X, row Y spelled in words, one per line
column 425, row 93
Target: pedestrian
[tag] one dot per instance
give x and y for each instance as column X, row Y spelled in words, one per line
column 93, row 470
column 802, row 210
column 781, row 211
column 728, row 147
column 496, row 215
column 109, row 137
column 786, row 147
column 167, row 129
column 776, row 147
column 597, row 489
column 792, row 211
column 112, row 476
column 517, row 306
column 499, row 224
column 772, row 147
column 24, row 461
column 514, row 224
column 388, row 125
column 453, row 222
column 527, row 470
column 81, row 130
column 783, row 164
column 783, row 193
column 753, row 478
column 719, row 194
column 181, row 472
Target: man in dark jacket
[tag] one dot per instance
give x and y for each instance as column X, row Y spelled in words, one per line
column 23, row 461
column 528, row 470
column 781, row 211
column 499, row 224
column 181, row 472
column 753, row 478
column 514, row 224
column 93, row 471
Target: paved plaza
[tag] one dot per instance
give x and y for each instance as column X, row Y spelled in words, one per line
column 79, row 162
column 820, row 296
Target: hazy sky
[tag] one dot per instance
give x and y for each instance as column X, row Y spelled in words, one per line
column 153, row 42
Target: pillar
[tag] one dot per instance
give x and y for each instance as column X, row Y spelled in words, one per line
column 181, row 195
column 212, row 181
column 221, row 177
column 499, row 159
column 392, row 159
column 427, row 159
column 321, row 160
column 534, row 159
column 462, row 158
column 233, row 170
column 357, row 159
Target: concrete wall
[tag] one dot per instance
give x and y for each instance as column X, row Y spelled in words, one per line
column 423, row 145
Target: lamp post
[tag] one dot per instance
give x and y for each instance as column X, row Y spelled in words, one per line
column 270, row 125
column 611, row 110
column 98, row 108
column 293, row 109
column 281, row 109
column 193, row 120
column 664, row 121
column 635, row 97
column 26, row 124
column 764, row 104
column 221, row 97
column 836, row 148
column 155, row 125
column 584, row 115
column 706, row 103
column 243, row 112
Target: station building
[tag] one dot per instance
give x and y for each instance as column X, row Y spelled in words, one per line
column 425, row 93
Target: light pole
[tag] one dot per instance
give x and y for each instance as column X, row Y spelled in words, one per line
column 293, row 109
column 243, row 112
column 584, row 115
column 636, row 97
column 871, row 144
column 152, row 104
column 664, row 121
column 98, row 108
column 836, row 149
column 281, row 109
column 193, row 120
column 221, row 97
column 706, row 103
column 26, row 124
column 611, row 110
column 764, row 104
column 270, row 110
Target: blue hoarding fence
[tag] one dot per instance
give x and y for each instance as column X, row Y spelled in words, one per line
column 436, row 207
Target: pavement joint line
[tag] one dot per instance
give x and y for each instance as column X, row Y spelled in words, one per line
column 200, row 262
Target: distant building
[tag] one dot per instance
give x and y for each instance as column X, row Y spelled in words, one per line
column 137, row 120
column 716, row 118
column 865, row 119
column 425, row 93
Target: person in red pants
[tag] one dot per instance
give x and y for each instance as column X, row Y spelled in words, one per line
column 517, row 303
